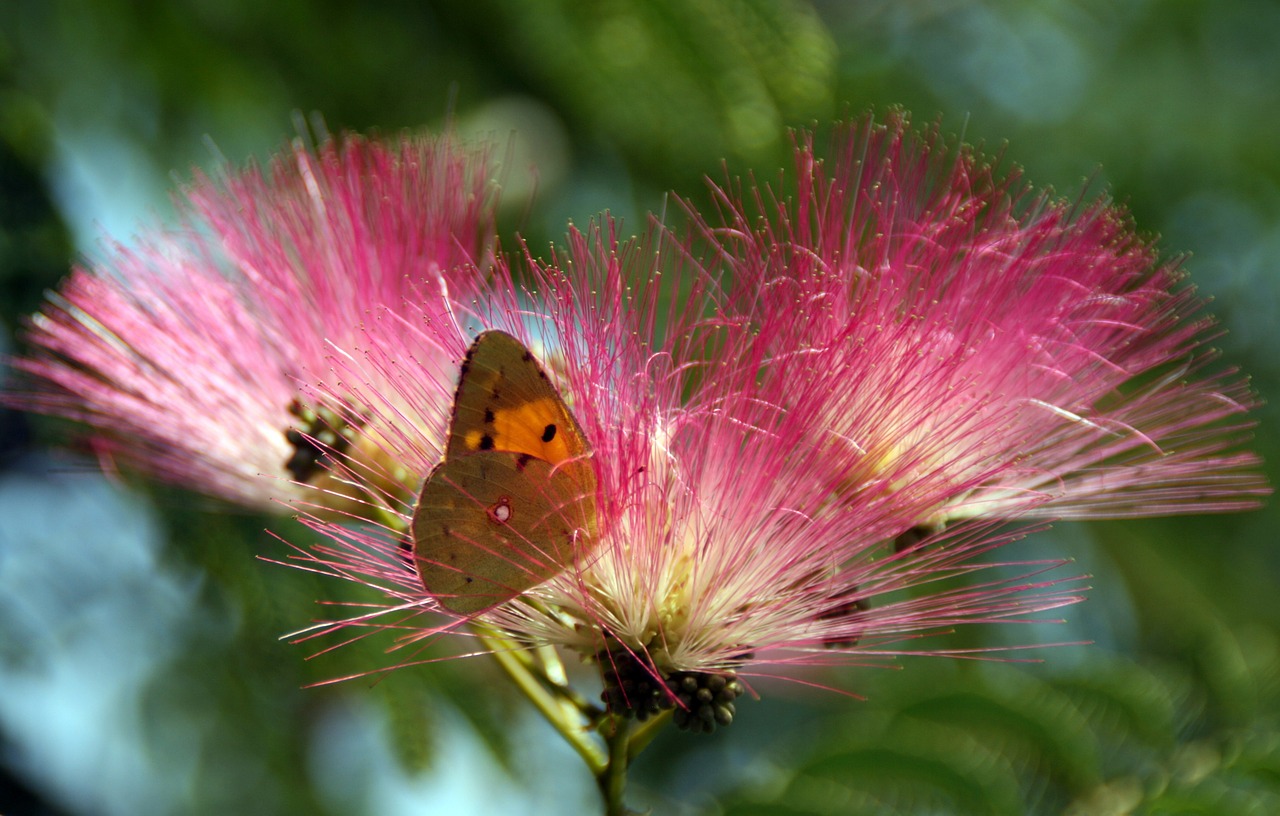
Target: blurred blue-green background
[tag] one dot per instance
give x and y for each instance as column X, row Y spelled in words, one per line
column 140, row 671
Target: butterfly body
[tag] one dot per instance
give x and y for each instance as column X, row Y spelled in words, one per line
column 513, row 502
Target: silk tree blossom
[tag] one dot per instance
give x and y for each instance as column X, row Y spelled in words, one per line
column 720, row 551
column 911, row 352
column 815, row 461
column 200, row 355
column 1036, row 354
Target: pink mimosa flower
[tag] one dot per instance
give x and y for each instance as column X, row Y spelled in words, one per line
column 202, row 355
column 1037, row 355
column 719, row 550
column 814, row 463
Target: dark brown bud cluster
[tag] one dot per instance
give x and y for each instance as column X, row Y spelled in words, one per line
column 319, row 434
column 631, row 687
column 704, row 701
column 701, row 700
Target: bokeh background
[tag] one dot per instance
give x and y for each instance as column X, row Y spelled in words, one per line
column 140, row 670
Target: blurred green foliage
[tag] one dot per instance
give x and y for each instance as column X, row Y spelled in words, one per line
column 1173, row 106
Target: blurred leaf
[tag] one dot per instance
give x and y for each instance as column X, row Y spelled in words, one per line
column 408, row 704
column 1112, row 736
column 677, row 85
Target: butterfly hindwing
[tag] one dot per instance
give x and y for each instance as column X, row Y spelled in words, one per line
column 492, row 524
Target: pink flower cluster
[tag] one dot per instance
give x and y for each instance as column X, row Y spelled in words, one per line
column 811, row 416
column 191, row 354
column 997, row 350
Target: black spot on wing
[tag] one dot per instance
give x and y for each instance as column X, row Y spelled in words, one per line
column 486, row 442
column 549, row 433
column 522, row 460
column 488, row 416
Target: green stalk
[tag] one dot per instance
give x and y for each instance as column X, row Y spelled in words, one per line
column 612, row 780
column 563, row 715
column 642, row 736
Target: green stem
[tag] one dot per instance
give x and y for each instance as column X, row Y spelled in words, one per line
column 552, row 666
column 540, row 674
column 552, row 673
column 612, row 780
column 563, row 715
column 642, row 736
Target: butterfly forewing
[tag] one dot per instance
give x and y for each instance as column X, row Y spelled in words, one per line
column 493, row 524
column 506, row 402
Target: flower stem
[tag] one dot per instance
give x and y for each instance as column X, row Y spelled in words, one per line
column 540, row 676
column 564, row 716
column 613, row 778
column 642, row 736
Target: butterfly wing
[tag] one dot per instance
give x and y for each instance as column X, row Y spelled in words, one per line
column 492, row 524
column 506, row 402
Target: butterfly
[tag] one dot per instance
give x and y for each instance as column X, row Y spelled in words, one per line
column 513, row 503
